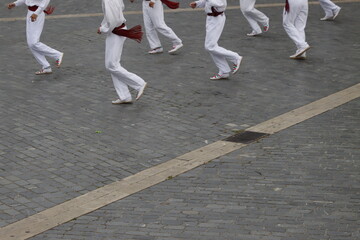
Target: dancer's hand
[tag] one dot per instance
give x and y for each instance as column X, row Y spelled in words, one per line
column 33, row 17
column 11, row 5
column 151, row 4
column 193, row 4
column 98, row 31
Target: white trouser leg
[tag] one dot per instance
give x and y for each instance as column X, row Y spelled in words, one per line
column 252, row 15
column 38, row 49
column 294, row 22
column 328, row 7
column 156, row 16
column 151, row 33
column 220, row 55
column 120, row 76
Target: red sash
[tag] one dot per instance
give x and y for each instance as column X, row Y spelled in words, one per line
column 287, row 6
column 214, row 13
column 49, row 10
column 170, row 4
column 134, row 33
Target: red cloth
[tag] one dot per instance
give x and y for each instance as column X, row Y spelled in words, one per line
column 134, row 33
column 287, row 6
column 49, row 10
column 214, row 13
column 33, row 8
column 170, row 4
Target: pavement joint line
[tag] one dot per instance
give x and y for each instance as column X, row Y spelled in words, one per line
column 264, row 5
column 91, row 201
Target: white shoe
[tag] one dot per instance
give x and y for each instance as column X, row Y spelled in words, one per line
column 301, row 57
column 336, row 12
column 59, row 60
column 327, row 18
column 218, row 76
column 299, row 52
column 44, row 71
column 141, row 91
column 118, row 101
column 156, row 50
column 253, row 34
column 236, row 66
column 266, row 26
column 175, row 48
column 302, row 50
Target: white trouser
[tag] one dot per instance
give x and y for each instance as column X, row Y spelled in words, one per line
column 294, row 22
column 38, row 49
column 252, row 15
column 120, row 76
column 154, row 22
column 220, row 55
column 328, row 7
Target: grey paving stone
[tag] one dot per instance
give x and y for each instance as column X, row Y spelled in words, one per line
column 303, row 179
column 270, row 207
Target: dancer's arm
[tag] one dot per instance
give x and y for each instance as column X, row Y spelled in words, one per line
column 19, row 2
column 198, row 4
column 11, row 5
column 15, row 4
column 42, row 6
column 104, row 26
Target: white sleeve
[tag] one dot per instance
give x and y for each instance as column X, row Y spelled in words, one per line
column 42, row 6
column 104, row 27
column 200, row 3
column 218, row 3
column 19, row 2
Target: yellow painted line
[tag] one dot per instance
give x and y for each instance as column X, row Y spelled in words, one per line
column 308, row 111
column 103, row 196
column 265, row 5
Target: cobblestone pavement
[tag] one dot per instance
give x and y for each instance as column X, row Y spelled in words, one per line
column 299, row 184
column 61, row 137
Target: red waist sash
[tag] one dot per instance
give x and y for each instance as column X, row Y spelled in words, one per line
column 49, row 10
column 134, row 33
column 214, row 13
column 169, row 4
column 33, row 8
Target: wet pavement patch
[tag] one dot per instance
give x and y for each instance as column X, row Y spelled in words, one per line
column 246, row 137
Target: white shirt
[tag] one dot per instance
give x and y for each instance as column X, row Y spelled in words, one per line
column 113, row 15
column 42, row 4
column 220, row 5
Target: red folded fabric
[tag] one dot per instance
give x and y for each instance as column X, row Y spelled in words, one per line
column 134, row 33
column 33, row 8
column 49, row 10
column 171, row 4
column 214, row 13
column 287, row 6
